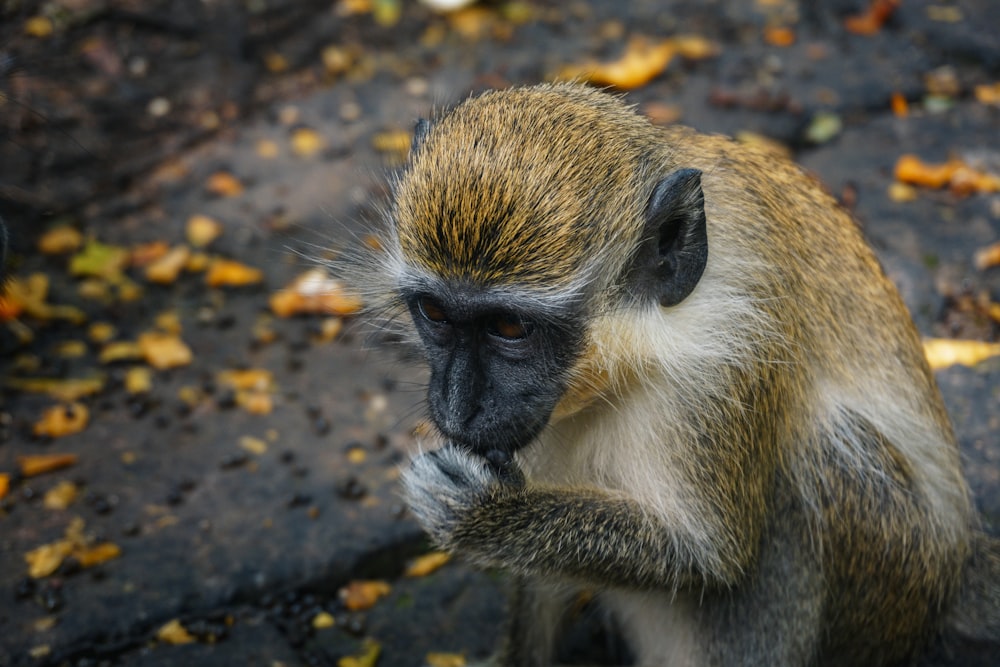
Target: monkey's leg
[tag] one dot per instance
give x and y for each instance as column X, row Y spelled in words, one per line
column 534, row 619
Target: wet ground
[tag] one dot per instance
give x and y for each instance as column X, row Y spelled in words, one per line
column 243, row 512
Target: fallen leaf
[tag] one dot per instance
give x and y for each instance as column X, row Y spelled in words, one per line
column 230, row 273
column 872, row 20
column 315, row 293
column 361, row 595
column 323, row 620
column 38, row 464
column 445, row 660
column 147, row 253
column 174, row 633
column 306, row 142
column 641, row 61
column 781, row 36
column 988, row 93
column 427, row 564
column 38, row 26
column 900, row 108
column 202, row 230
column 120, row 350
column 4, row 484
column 163, row 350
column 944, row 352
column 248, row 378
column 959, row 177
column 99, row 260
column 64, row 419
column 60, row 240
column 60, row 496
column 69, row 389
column 166, row 269
column 987, row 257
column 224, row 184
column 367, row 658
column 97, row 554
column 29, row 296
column 138, row 380
column 255, row 446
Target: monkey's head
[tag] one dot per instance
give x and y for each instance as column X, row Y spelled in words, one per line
column 522, row 215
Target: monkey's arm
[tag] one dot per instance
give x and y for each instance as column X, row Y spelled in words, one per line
column 583, row 534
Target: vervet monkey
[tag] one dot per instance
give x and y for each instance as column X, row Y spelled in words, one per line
column 668, row 368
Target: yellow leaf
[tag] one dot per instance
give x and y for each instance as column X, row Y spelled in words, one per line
column 162, row 351
column 445, row 660
column 360, row 595
column 174, row 633
column 367, row 658
column 60, row 420
column 944, row 352
column 426, row 564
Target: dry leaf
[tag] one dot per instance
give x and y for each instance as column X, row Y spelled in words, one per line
column 306, row 142
column 873, row 19
column 99, row 260
column 60, row 420
column 944, row 352
column 38, row 464
column 230, row 273
column 162, row 350
column 427, row 564
column 60, row 240
column 224, row 184
column 961, row 178
column 988, row 93
column 60, row 496
column 367, row 658
column 120, row 350
column 641, row 62
column 323, row 620
column 174, row 633
column 445, row 660
column 315, row 293
column 30, row 297
column 166, row 269
column 781, row 36
column 138, row 380
column 46, row 559
column 38, row 26
column 361, row 595
column 249, row 378
column 69, row 389
column 987, row 257
column 202, row 230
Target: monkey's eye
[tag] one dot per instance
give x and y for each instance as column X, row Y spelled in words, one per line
column 509, row 327
column 431, row 310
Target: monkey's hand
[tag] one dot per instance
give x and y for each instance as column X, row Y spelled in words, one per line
column 444, row 486
column 467, row 506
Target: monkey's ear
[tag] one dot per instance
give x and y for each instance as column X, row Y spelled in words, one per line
column 420, row 132
column 675, row 239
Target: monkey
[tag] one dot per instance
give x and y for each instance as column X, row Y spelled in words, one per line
column 668, row 368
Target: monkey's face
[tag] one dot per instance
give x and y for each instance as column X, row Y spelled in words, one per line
column 497, row 368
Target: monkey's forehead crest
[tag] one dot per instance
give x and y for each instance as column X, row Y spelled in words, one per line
column 521, row 186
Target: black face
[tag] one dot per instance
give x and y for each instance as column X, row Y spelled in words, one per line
column 497, row 371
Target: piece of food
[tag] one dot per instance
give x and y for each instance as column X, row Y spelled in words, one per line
column 174, row 633
column 641, row 61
